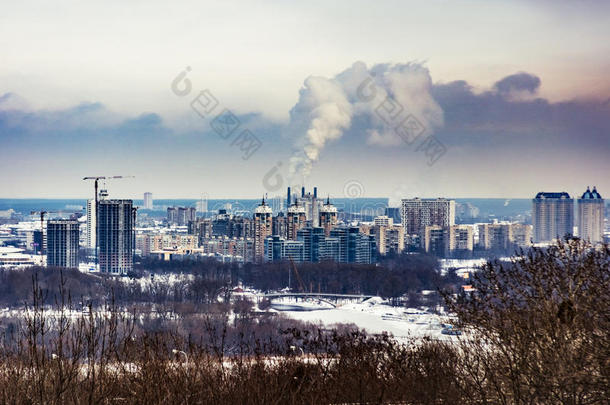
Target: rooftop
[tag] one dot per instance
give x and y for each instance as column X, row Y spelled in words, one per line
column 558, row 195
column 591, row 195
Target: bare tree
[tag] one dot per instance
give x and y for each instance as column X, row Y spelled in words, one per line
column 538, row 328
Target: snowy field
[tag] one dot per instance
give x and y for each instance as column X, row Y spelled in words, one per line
column 374, row 315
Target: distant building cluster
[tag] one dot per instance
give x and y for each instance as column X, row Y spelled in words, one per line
column 429, row 225
column 307, row 230
column 181, row 215
column 300, row 227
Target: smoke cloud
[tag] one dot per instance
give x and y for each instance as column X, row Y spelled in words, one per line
column 380, row 97
column 324, row 112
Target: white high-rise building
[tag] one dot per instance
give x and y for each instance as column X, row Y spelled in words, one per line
column 91, row 224
column 552, row 216
column 591, row 216
column 202, row 204
column 148, row 201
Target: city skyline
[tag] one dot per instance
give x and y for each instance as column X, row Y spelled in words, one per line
column 513, row 111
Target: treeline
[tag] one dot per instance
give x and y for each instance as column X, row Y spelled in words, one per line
column 201, row 288
column 395, row 276
column 202, row 282
column 16, row 285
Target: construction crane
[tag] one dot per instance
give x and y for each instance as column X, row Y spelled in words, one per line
column 96, row 183
column 42, row 214
column 296, row 273
column 98, row 178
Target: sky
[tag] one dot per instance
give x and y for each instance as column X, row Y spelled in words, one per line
column 504, row 99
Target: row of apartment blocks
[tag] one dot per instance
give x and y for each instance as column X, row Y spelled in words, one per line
column 462, row 240
column 307, row 231
column 171, row 246
column 343, row 245
column 181, row 215
column 433, row 222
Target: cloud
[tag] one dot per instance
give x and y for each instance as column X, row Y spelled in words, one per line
column 323, row 112
column 381, row 99
column 518, row 82
column 92, row 130
column 339, row 120
column 497, row 118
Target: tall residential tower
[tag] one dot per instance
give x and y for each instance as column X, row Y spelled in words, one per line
column 62, row 243
column 591, row 216
column 116, row 237
column 262, row 227
column 328, row 217
column 148, row 201
column 418, row 213
column 552, row 216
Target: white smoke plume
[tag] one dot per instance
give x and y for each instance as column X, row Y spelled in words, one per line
column 325, row 110
column 327, row 107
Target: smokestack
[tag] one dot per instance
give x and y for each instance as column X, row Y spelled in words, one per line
column 315, row 192
column 302, row 192
column 288, row 199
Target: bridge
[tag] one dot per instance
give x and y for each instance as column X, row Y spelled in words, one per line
column 326, row 297
column 317, row 294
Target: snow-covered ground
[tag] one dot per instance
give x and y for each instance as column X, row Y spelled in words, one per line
column 462, row 266
column 376, row 316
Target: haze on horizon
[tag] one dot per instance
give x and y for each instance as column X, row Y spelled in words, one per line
column 517, row 92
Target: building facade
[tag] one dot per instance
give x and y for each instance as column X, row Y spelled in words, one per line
column 353, row 246
column 62, row 243
column 148, row 201
column 394, row 239
column 455, row 240
column 312, row 205
column 296, row 220
column 262, row 227
column 418, row 213
column 116, row 237
column 591, row 216
column 552, row 216
column 181, row 215
column 328, row 217
column 313, row 239
column 383, row 220
column 91, row 228
column 278, row 248
column 460, row 239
